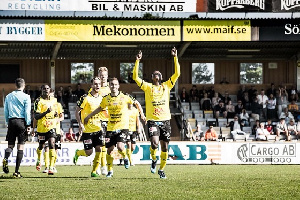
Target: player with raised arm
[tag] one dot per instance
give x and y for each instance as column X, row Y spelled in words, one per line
column 157, row 96
column 91, row 137
column 118, row 124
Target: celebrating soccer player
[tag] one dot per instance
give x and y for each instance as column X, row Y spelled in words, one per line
column 157, row 96
column 118, row 124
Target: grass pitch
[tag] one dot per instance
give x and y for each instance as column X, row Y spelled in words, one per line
column 183, row 182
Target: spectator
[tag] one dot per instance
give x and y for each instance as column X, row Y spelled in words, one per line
column 246, row 101
column 79, row 91
column 70, row 96
column 226, row 98
column 215, row 99
column 292, row 107
column 241, row 92
column 236, row 127
column 194, row 94
column 293, row 94
column 70, row 136
column 255, row 127
column 37, row 92
column 270, row 127
column 271, row 105
column 263, row 100
column 211, row 92
column 292, row 130
column 224, row 81
column 262, row 133
column 255, row 109
column 230, row 109
column 251, row 93
column 244, row 117
column 278, row 102
column 205, row 102
column 198, row 134
column 220, row 110
column 286, row 115
column 184, row 96
column 239, row 107
column 60, row 98
column 210, row 134
column 29, row 92
column 281, row 129
column 271, row 90
column 284, row 97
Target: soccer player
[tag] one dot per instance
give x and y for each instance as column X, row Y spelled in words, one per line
column 45, row 112
column 157, row 95
column 92, row 136
column 17, row 107
column 134, row 127
column 118, row 124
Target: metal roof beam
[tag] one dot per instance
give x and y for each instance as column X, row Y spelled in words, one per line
column 182, row 49
column 55, row 50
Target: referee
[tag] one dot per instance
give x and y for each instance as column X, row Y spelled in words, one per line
column 17, row 109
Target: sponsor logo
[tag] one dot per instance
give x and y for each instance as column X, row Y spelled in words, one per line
column 240, row 4
column 289, row 4
column 292, row 29
column 267, row 153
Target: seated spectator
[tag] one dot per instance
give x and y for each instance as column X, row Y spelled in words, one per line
column 211, row 92
column 286, row 115
column 205, row 102
column 194, row 96
column 220, row 110
column 226, row 98
column 293, row 95
column 262, row 133
column 211, row 134
column 215, row 99
column 281, row 128
column 70, row 136
column 255, row 109
column 270, row 127
column 239, row 107
column 230, row 109
column 244, row 117
column 184, row 96
column 255, row 127
column 236, row 127
column 292, row 130
column 292, row 107
column 246, row 101
column 198, row 134
column 79, row 91
column 271, row 105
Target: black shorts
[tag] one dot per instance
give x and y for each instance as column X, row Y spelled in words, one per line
column 131, row 137
column 58, row 141
column 43, row 137
column 16, row 129
column 91, row 140
column 113, row 137
column 160, row 128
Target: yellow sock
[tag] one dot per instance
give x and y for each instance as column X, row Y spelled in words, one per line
column 55, row 158
column 52, row 157
column 81, row 153
column 153, row 153
column 163, row 160
column 96, row 162
column 103, row 156
column 39, row 154
column 123, row 153
column 109, row 160
column 128, row 152
column 46, row 158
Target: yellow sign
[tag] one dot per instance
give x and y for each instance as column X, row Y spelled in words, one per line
column 216, row 30
column 112, row 30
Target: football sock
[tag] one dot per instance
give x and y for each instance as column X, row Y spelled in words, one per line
column 123, row 153
column 153, row 153
column 52, row 157
column 55, row 158
column 7, row 153
column 103, row 156
column 81, row 153
column 96, row 161
column 128, row 152
column 46, row 158
column 163, row 160
column 19, row 160
column 109, row 160
column 39, row 153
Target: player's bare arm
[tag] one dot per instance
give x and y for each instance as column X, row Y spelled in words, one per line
column 96, row 111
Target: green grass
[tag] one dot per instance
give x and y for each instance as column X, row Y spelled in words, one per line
column 183, row 182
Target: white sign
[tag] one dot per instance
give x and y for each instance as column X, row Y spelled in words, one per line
column 101, row 5
column 289, row 4
column 22, row 30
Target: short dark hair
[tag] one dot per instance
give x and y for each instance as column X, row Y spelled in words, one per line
column 20, row 82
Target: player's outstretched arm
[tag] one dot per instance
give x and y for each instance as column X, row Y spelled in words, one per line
column 135, row 75
column 176, row 74
column 78, row 118
column 96, row 111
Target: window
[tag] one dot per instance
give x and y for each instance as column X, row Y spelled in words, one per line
column 9, row 73
column 126, row 72
column 82, row 72
column 251, row 73
column 203, row 73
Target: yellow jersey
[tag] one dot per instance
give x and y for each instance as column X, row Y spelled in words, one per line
column 133, row 114
column 59, row 111
column 118, row 111
column 47, row 122
column 88, row 103
column 157, row 97
column 103, row 92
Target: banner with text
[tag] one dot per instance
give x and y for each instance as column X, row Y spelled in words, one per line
column 182, row 153
column 108, row 30
column 287, row 30
column 216, row 30
column 101, row 5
